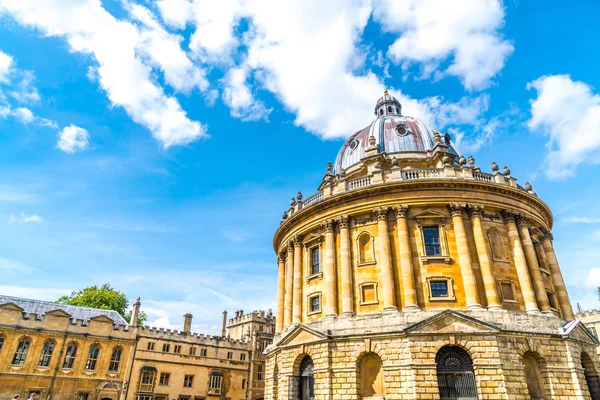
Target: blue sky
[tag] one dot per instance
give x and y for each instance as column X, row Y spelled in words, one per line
column 155, row 144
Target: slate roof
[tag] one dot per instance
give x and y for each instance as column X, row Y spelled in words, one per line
column 41, row 307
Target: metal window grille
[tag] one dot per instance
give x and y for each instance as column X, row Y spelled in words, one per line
column 456, row 379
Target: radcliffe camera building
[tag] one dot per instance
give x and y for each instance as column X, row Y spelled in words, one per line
column 413, row 274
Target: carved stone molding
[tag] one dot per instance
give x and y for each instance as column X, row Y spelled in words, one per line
column 343, row 221
column 364, row 220
column 476, row 210
column 290, row 246
column 328, row 225
column 401, row 211
column 456, row 209
column 381, row 213
column 510, row 215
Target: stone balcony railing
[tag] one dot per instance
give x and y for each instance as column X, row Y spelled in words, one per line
column 339, row 184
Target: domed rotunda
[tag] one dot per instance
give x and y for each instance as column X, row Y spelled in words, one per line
column 413, row 274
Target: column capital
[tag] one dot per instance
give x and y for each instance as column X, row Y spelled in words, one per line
column 327, row 225
column 280, row 259
column 290, row 246
column 297, row 241
column 475, row 210
column 523, row 220
column 547, row 235
column 381, row 213
column 509, row 215
column 343, row 221
column 456, row 209
column 401, row 211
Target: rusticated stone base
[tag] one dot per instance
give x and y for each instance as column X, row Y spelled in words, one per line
column 407, row 345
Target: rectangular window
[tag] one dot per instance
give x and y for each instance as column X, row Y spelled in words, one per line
column 160, row 397
column 143, row 397
column 215, row 382
column 166, row 348
column 508, row 291
column 314, row 261
column 431, row 236
column 192, row 351
column 243, row 384
column 230, row 355
column 202, row 352
column 83, row 396
column 551, row 300
column 315, row 304
column 164, row 379
column 36, row 394
column 243, row 357
column 177, row 349
column 259, row 372
column 439, row 288
column 150, row 346
column 188, row 381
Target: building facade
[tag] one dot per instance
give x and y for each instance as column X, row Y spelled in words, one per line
column 74, row 353
column 591, row 320
column 413, row 274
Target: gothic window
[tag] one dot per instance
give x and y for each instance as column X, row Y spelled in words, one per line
column 215, row 382
column 497, row 244
column 314, row 261
column 533, row 376
column 371, row 377
column 164, row 379
column 92, row 360
column 431, row 237
column 47, row 351
column 456, row 378
column 21, row 353
column 188, row 381
column 591, row 376
column 115, row 359
column 368, row 293
column 307, row 380
column 365, row 248
column 147, row 379
column 70, row 356
column 259, row 372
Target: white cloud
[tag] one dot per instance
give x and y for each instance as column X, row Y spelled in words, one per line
column 8, row 266
column 38, row 293
column 6, row 63
column 431, row 32
column 582, row 220
column 569, row 113
column 22, row 217
column 72, row 139
column 122, row 73
column 23, row 115
column 593, row 278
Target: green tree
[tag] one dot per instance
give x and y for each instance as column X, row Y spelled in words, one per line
column 104, row 297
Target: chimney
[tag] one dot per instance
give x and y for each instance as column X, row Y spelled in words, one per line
column 187, row 323
column 135, row 312
column 224, row 325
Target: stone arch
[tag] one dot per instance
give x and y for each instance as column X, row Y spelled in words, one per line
column 536, row 375
column 22, row 348
column 455, row 373
column 366, row 247
column 591, row 376
column 303, row 383
column 370, row 377
column 497, row 245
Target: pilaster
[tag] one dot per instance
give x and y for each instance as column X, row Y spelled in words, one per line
column 406, row 266
column 385, row 260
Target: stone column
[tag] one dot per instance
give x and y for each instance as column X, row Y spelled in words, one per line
column 489, row 282
column 289, row 285
column 346, row 264
column 534, row 267
column 297, row 313
column 520, row 263
column 385, row 260
column 330, row 270
column 280, row 293
column 406, row 266
column 557, row 278
column 464, row 256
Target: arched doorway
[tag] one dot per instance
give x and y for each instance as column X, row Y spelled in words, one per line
column 591, row 376
column 533, row 376
column 307, row 380
column 456, row 379
column 371, row 377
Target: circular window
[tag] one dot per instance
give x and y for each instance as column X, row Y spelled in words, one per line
column 353, row 144
column 402, row 130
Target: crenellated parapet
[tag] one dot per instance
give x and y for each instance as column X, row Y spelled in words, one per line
column 189, row 338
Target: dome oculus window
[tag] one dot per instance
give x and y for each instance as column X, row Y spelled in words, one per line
column 402, row 130
column 353, row 144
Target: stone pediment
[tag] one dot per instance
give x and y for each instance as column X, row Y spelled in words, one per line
column 577, row 330
column 102, row 318
column 58, row 313
column 451, row 321
column 301, row 334
column 11, row 307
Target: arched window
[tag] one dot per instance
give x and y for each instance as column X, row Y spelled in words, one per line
column 115, row 359
column 70, row 356
column 365, row 248
column 215, row 382
column 47, row 351
column 389, row 109
column 147, row 374
column 456, row 379
column 381, row 111
column 371, row 377
column 591, row 376
column 533, row 376
column 92, row 360
column 21, row 353
column 307, row 379
column 497, row 244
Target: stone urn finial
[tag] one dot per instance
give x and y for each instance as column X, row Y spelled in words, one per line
column 329, row 168
column 528, row 186
column 292, row 202
column 471, row 161
column 506, row 170
column 437, row 138
column 372, row 141
column 446, row 160
column 299, row 196
column 494, row 166
column 285, row 215
column 462, row 161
